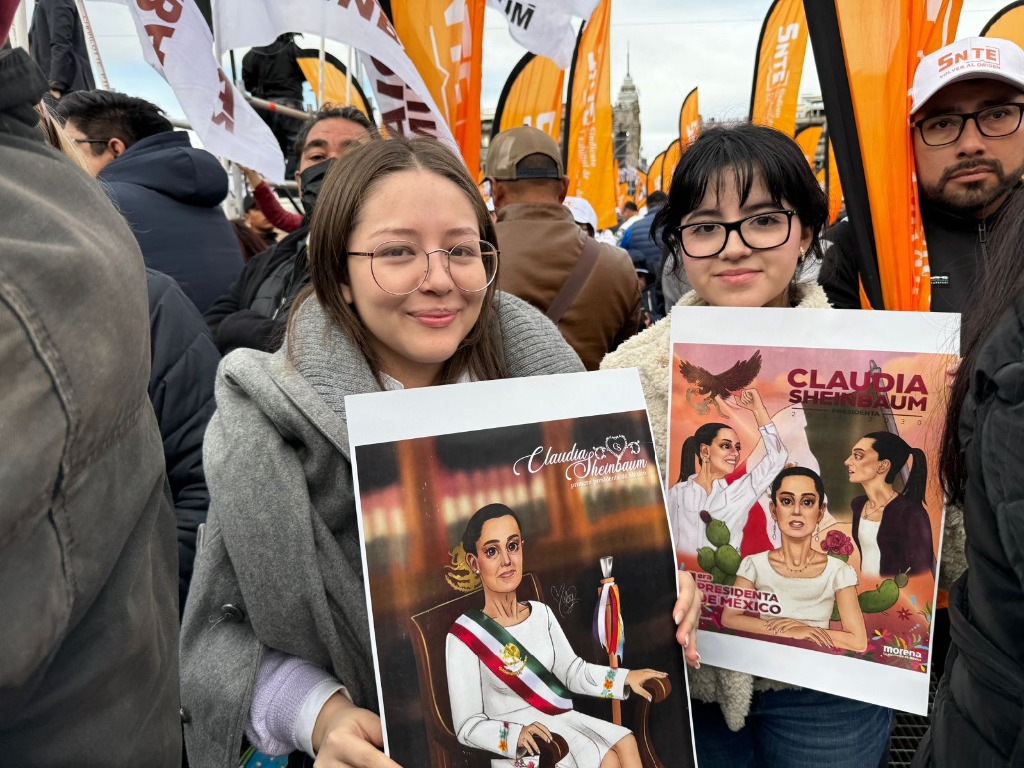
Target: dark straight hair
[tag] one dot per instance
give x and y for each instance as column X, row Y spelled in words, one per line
column 897, row 451
column 819, row 486
column 751, row 152
column 475, row 524
column 998, row 288
column 691, row 447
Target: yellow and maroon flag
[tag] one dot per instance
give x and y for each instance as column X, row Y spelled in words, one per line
column 588, row 142
column 779, row 66
column 867, row 101
column 532, row 96
column 444, row 39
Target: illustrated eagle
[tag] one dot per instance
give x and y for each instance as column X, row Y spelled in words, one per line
column 714, row 386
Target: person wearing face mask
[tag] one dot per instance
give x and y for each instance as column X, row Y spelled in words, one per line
column 403, row 293
column 969, row 157
column 742, row 218
column 253, row 311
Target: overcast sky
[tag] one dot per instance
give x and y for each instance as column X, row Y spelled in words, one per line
column 675, row 45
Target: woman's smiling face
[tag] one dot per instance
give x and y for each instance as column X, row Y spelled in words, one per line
column 797, row 508
column 723, row 454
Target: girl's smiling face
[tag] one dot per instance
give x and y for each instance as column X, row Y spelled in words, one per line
column 740, row 276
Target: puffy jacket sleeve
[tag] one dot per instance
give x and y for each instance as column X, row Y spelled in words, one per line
column 181, row 388
column 1002, row 451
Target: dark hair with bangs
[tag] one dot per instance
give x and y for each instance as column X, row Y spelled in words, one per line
column 350, row 181
column 751, row 152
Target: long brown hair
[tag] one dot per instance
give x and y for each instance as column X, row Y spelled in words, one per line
column 349, row 183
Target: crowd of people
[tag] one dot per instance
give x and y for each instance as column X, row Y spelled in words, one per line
column 162, row 370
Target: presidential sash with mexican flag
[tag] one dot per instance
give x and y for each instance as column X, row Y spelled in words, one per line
column 511, row 662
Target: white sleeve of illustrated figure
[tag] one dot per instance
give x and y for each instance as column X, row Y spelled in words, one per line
column 576, row 674
column 465, row 691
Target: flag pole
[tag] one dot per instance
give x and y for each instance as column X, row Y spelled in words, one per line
column 348, row 76
column 323, row 64
column 94, row 49
column 19, row 29
column 611, row 626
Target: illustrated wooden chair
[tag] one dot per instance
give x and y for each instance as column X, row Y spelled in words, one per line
column 428, row 631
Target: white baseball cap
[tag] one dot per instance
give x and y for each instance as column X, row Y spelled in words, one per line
column 582, row 211
column 971, row 58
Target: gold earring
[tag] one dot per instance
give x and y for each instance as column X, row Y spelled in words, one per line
column 803, row 253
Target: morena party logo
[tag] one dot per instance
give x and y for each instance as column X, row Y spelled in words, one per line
column 618, row 454
column 974, row 53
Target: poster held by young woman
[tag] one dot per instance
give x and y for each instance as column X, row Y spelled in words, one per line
column 803, row 493
column 519, row 573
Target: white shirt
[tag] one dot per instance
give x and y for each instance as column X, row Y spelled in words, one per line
column 728, row 503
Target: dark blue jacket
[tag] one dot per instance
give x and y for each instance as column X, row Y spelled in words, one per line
column 646, row 253
column 170, row 193
column 181, row 380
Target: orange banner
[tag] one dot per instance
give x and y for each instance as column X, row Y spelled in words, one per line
column 906, row 30
column 654, row 173
column 640, row 194
column 808, row 138
column 828, row 177
column 1008, row 24
column 444, row 39
column 689, row 123
column 589, row 150
column 336, row 87
column 532, row 96
column 672, row 155
column 779, row 66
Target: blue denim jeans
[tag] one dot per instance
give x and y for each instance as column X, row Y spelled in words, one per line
column 793, row 729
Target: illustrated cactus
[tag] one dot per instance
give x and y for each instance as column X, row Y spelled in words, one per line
column 722, row 560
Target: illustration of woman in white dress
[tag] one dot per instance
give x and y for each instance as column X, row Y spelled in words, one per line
column 511, row 669
column 807, row 582
column 708, row 456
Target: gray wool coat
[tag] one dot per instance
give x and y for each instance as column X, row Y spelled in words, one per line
column 279, row 564
column 648, row 352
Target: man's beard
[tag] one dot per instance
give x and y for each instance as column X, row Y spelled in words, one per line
column 973, row 198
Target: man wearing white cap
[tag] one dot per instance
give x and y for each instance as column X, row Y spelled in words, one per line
column 965, row 121
column 588, row 289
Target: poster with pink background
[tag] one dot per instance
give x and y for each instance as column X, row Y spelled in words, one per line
column 803, row 491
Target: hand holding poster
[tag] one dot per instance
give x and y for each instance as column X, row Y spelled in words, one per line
column 800, row 495
column 519, row 572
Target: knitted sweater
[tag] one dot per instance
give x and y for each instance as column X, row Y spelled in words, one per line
column 649, row 353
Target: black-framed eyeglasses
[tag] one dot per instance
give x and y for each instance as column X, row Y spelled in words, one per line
column 399, row 267
column 759, row 231
column 91, row 141
column 992, row 122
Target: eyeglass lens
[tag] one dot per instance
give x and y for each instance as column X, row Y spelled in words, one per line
column 400, row 266
column 762, row 231
column 993, row 122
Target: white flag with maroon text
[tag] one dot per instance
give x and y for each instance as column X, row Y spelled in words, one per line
column 405, row 102
column 177, row 43
column 545, row 27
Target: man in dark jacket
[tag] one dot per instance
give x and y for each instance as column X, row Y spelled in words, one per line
column 272, row 72
column 57, row 43
column 184, row 367
column 168, row 191
column 253, row 312
column 969, row 161
column 648, row 254
column 89, row 637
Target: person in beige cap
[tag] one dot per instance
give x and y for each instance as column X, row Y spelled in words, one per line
column 969, row 153
column 588, row 289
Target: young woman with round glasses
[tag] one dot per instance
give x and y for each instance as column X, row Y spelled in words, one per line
column 275, row 641
column 743, row 218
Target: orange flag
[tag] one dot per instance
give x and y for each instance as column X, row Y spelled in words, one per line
column 808, row 138
column 654, row 173
column 779, row 66
column 640, row 193
column 871, row 128
column 689, row 123
column 1007, row 24
column 589, row 152
column 672, row 156
column 532, row 96
column 337, row 89
column 444, row 40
